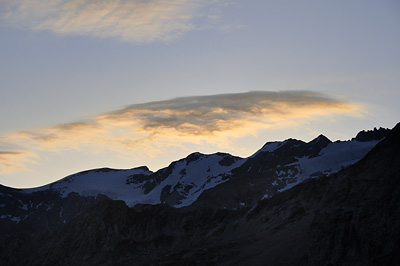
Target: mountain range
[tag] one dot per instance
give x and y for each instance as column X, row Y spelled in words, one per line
column 290, row 203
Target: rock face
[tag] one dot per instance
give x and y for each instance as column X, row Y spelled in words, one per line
column 369, row 135
column 29, row 217
column 347, row 218
column 42, row 211
column 358, row 220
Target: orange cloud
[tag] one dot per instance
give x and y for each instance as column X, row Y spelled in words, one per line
column 12, row 160
column 152, row 128
column 206, row 115
column 134, row 20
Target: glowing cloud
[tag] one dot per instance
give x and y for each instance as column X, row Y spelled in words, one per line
column 134, row 20
column 206, row 115
column 150, row 128
column 15, row 160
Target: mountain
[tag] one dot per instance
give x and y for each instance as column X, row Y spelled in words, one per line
column 316, row 199
column 277, row 166
column 177, row 185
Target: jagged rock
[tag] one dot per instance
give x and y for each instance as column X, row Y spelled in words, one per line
column 376, row 134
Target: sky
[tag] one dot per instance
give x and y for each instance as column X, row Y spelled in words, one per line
column 123, row 83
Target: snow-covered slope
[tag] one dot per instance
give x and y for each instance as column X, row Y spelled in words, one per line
column 109, row 182
column 276, row 167
column 178, row 185
column 190, row 177
column 332, row 158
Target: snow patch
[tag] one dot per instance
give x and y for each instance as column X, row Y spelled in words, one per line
column 270, row 147
column 331, row 159
column 15, row 219
column 203, row 174
column 12, row 218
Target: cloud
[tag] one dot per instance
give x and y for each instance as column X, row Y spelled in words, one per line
column 149, row 129
column 133, row 20
column 12, row 160
column 206, row 115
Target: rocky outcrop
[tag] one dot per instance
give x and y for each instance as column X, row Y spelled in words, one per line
column 375, row 134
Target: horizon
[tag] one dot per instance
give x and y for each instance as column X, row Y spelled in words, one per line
column 126, row 84
column 194, row 152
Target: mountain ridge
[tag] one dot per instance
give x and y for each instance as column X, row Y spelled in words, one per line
column 183, row 181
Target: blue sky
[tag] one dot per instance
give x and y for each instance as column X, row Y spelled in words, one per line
column 86, row 84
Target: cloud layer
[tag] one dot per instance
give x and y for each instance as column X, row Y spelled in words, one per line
column 11, row 160
column 151, row 128
column 133, row 20
column 207, row 115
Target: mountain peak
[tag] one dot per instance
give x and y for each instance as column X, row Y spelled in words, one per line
column 321, row 140
column 193, row 157
column 143, row 168
column 271, row 146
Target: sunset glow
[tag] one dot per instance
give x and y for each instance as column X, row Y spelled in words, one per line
column 115, row 83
